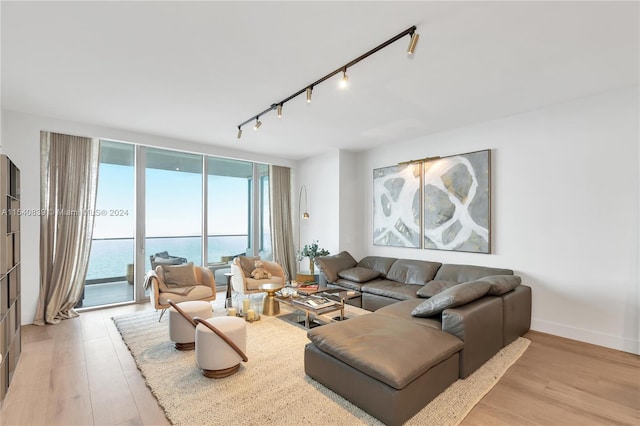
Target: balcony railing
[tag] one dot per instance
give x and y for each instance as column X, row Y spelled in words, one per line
column 110, row 273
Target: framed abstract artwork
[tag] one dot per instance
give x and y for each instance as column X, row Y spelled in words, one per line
column 397, row 206
column 457, row 202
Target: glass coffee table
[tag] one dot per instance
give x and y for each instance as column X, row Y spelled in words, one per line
column 298, row 303
column 328, row 301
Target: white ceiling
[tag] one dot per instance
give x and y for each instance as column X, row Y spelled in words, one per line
column 194, row 71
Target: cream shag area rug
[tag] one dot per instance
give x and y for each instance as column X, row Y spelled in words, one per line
column 272, row 389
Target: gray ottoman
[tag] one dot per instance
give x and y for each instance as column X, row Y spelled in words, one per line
column 389, row 367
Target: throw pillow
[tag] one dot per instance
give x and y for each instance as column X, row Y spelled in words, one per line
column 409, row 271
column 168, row 261
column 501, row 284
column 432, row 288
column 247, row 263
column 179, row 275
column 331, row 265
column 359, row 274
column 455, row 296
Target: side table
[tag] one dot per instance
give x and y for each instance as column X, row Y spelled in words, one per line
column 228, row 275
column 271, row 305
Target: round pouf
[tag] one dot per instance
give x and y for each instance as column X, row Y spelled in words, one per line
column 213, row 355
column 181, row 331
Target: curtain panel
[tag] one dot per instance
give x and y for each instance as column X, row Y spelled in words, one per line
column 69, row 182
column 281, row 224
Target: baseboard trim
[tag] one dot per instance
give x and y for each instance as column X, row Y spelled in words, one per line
column 589, row 336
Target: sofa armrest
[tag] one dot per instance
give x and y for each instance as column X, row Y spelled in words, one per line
column 204, row 276
column 238, row 278
column 273, row 268
column 479, row 325
column 517, row 313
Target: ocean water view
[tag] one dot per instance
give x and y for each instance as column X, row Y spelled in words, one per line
column 110, row 257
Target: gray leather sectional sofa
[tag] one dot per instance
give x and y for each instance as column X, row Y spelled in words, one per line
column 432, row 324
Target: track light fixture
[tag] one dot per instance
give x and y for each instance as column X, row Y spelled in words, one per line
column 343, row 82
column 412, row 44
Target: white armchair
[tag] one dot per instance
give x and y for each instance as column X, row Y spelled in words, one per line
column 180, row 283
column 241, row 280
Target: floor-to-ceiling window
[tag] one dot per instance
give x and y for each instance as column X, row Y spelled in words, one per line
column 169, row 215
column 264, row 211
column 110, row 276
column 228, row 194
column 173, row 204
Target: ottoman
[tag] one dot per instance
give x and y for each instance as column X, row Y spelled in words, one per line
column 220, row 355
column 181, row 329
column 389, row 367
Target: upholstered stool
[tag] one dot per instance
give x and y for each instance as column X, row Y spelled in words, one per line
column 181, row 324
column 221, row 344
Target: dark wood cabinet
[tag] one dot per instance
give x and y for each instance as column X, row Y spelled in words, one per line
column 10, row 344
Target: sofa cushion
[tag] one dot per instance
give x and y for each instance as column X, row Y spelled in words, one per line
column 465, row 273
column 253, row 284
column 359, row 274
column 434, row 287
column 179, row 275
column 248, row 264
column 378, row 263
column 403, row 310
column 331, row 265
column 450, row 298
column 391, row 289
column 501, row 284
column 393, row 351
column 409, row 271
column 348, row 284
column 198, row 292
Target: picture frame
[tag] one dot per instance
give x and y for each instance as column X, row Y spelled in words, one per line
column 457, row 202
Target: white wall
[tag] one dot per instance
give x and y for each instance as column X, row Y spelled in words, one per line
column 351, row 201
column 21, row 142
column 320, row 175
column 565, row 195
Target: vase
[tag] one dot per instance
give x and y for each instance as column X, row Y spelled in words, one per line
column 311, row 267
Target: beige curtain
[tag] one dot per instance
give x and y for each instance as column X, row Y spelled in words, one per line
column 281, row 225
column 69, row 181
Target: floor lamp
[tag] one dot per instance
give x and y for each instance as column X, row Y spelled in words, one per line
column 304, row 215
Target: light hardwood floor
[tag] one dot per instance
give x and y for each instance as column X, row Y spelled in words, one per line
column 80, row 373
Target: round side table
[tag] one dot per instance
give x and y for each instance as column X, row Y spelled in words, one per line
column 271, row 305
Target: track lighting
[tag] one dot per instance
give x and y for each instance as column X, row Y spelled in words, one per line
column 412, row 44
column 308, row 89
column 344, row 81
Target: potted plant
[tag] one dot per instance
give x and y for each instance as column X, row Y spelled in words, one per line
column 312, row 251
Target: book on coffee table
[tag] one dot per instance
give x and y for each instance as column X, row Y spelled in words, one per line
column 307, row 289
column 314, row 302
